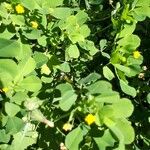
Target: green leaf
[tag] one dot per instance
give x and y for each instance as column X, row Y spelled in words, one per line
column 6, row 34
column 84, row 31
column 11, row 109
column 112, row 126
column 33, row 35
column 100, row 87
column 4, row 119
column 74, row 138
column 123, row 68
column 67, row 100
column 111, row 97
column 141, row 15
column 22, row 141
column 103, row 44
column 4, row 146
column 123, row 108
column 4, row 138
column 105, row 141
column 106, row 112
column 44, row 23
column 8, row 66
column 76, row 37
column 68, row 96
column 9, row 48
column 53, row 62
column 126, row 129
column 148, row 98
column 134, row 70
column 64, row 67
column 108, row 74
column 19, row 97
column 127, row 89
column 42, row 41
column 72, row 51
column 141, row 3
column 64, row 87
column 61, row 12
column 90, row 78
column 132, row 61
column 81, row 17
column 130, row 43
column 95, row 2
column 70, row 24
column 74, row 32
column 31, row 5
column 25, row 67
column 138, row 16
column 18, row 20
column 54, row 3
column 124, row 133
column 89, row 46
column 3, row 11
column 26, row 51
column 14, row 125
column 127, row 30
column 106, row 55
column 8, row 71
column 31, row 83
column 40, row 59
column 46, row 79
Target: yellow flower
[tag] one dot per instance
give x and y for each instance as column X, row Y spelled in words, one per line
column 34, row 24
column 90, row 119
column 136, row 54
column 67, row 127
column 5, row 89
column 19, row 9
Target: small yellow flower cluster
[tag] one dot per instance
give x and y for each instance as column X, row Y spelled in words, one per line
column 20, row 9
column 136, row 54
column 90, row 119
column 34, row 24
column 67, row 127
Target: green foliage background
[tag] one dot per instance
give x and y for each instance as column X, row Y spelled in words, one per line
column 78, row 61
